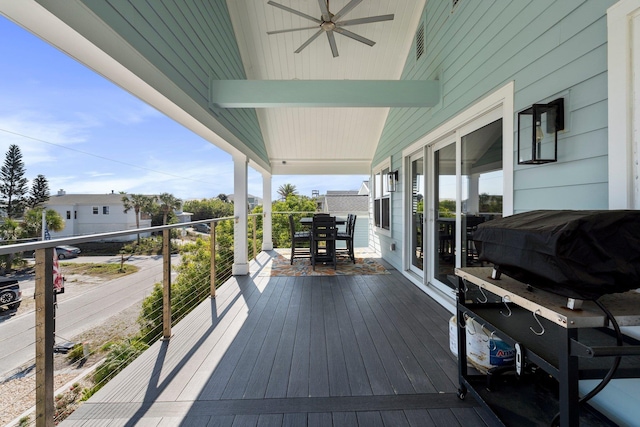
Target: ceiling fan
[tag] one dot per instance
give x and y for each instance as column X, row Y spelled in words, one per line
column 330, row 23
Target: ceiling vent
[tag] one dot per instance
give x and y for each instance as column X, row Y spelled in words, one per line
column 420, row 41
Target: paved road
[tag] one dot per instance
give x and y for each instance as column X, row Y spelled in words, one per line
column 82, row 307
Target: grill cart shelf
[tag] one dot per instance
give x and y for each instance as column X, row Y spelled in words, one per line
column 558, row 346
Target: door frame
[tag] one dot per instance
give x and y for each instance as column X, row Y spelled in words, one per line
column 501, row 101
column 623, row 74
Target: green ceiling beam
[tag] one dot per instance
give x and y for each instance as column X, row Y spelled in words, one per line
column 323, row 93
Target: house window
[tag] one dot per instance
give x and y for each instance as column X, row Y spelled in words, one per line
column 105, row 210
column 68, row 214
column 95, row 210
column 75, row 214
column 381, row 200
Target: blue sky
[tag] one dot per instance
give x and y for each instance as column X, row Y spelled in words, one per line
column 88, row 136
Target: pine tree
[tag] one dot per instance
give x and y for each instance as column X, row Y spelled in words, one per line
column 13, row 184
column 39, row 191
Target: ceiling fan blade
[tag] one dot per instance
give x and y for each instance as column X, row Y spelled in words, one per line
column 308, row 42
column 366, row 20
column 295, row 12
column 292, row 29
column 354, row 36
column 332, row 43
column 324, row 8
column 346, row 9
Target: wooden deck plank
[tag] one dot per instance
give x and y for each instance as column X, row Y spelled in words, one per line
column 229, row 325
column 392, row 366
column 417, row 336
column 295, row 419
column 394, row 419
column 338, row 375
column 146, row 382
column 230, row 356
column 419, row 418
column 437, row 333
column 245, row 421
column 279, row 378
column 323, row 350
column 318, row 363
column 370, row 419
column 468, row 417
column 376, row 373
column 270, row 420
column 216, row 330
column 395, row 332
column 261, row 372
column 356, row 371
column 344, row 419
column 255, row 329
column 220, row 421
column 298, row 385
column 319, row 419
column 443, row 417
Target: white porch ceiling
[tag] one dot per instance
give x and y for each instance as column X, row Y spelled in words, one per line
column 322, row 140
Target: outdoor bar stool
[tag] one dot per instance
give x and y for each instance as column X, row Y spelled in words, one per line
column 299, row 238
column 323, row 229
column 347, row 237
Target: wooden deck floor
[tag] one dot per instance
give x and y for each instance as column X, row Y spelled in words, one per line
column 295, row 351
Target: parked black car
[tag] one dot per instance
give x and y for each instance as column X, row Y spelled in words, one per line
column 202, row 228
column 10, row 294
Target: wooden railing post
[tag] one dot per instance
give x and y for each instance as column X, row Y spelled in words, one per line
column 255, row 233
column 213, row 259
column 45, row 339
column 166, row 284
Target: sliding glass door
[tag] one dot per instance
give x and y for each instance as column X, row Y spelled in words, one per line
column 466, row 171
column 416, row 208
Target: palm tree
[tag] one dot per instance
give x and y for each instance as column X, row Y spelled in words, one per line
column 168, row 203
column 287, row 190
column 9, row 230
column 32, row 223
column 139, row 203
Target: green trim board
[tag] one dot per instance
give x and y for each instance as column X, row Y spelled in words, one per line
column 323, row 93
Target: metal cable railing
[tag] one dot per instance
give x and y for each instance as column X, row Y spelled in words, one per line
column 192, row 282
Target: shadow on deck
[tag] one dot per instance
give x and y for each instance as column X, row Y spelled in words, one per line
column 301, row 351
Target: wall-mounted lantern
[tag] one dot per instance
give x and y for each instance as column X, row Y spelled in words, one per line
column 538, row 128
column 392, row 181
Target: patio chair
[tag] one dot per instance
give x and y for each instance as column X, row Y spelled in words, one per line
column 347, row 237
column 299, row 238
column 323, row 230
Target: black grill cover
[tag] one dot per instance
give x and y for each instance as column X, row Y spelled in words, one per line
column 576, row 254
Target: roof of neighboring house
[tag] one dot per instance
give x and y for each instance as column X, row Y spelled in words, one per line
column 345, row 201
column 85, row 199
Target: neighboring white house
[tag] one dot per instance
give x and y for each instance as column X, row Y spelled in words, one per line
column 252, row 201
column 94, row 213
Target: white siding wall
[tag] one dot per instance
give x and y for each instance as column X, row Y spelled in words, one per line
column 89, row 223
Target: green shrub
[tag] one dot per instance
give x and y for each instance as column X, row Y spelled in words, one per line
column 120, row 355
column 76, row 353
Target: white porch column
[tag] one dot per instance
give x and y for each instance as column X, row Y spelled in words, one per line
column 267, row 235
column 240, row 211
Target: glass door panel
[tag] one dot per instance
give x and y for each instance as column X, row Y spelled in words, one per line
column 482, row 184
column 444, row 202
column 417, row 213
